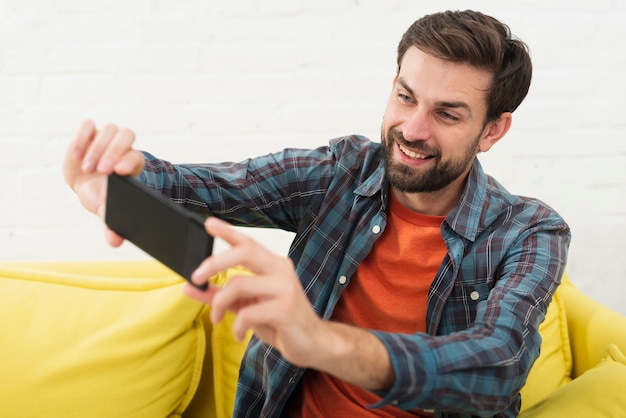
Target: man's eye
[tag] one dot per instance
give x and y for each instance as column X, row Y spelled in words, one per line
column 404, row 98
column 447, row 116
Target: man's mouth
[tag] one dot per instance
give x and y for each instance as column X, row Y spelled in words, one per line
column 412, row 154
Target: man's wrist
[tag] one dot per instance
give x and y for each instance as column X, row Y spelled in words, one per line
column 353, row 354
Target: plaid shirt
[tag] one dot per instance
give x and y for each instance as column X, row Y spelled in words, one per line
column 505, row 258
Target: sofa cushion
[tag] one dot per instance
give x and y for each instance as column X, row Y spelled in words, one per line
column 599, row 392
column 227, row 353
column 98, row 340
column 218, row 389
column 553, row 367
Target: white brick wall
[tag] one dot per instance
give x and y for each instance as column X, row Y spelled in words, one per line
column 223, row 80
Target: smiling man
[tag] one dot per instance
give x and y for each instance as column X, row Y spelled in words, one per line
column 435, row 124
column 415, row 283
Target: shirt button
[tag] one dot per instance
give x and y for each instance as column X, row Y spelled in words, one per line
column 343, row 280
column 376, row 229
column 474, row 295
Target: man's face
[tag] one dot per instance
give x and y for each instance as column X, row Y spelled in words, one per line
column 434, row 123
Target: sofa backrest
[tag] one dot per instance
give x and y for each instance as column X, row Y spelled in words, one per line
column 113, row 338
column 216, row 391
column 97, row 339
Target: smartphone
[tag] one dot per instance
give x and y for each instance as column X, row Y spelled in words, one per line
column 170, row 233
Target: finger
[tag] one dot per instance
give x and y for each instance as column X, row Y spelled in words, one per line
column 245, row 250
column 118, row 147
column 242, row 291
column 85, row 134
column 260, row 317
column 99, row 144
column 254, row 317
column 212, row 265
column 233, row 256
column 131, row 164
column 204, row 296
column 222, row 229
column 238, row 256
column 76, row 151
column 114, row 239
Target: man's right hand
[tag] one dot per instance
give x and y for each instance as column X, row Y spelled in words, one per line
column 91, row 157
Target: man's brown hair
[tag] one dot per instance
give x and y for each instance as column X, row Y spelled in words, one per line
column 482, row 42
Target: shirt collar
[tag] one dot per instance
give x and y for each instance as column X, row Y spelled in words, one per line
column 376, row 182
column 373, row 184
column 466, row 218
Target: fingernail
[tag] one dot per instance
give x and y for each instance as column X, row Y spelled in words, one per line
column 195, row 277
column 105, row 166
column 89, row 166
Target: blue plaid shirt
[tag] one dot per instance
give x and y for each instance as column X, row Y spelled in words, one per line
column 505, row 258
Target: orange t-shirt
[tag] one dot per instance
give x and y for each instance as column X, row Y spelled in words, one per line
column 388, row 292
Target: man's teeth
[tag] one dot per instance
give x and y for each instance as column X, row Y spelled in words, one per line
column 412, row 154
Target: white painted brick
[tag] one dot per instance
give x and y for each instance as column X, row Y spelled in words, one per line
column 215, row 81
column 18, row 92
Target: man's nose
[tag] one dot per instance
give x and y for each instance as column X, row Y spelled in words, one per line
column 418, row 127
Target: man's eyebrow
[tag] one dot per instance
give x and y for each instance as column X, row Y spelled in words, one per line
column 454, row 105
column 441, row 103
column 406, row 86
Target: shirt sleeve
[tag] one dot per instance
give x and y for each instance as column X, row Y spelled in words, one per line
column 481, row 369
column 269, row 191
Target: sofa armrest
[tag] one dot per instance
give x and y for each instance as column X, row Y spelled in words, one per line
column 592, row 327
column 97, row 339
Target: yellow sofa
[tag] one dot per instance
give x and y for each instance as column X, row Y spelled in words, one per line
column 118, row 338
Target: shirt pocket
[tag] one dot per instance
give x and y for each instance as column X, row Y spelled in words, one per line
column 476, row 293
column 477, row 296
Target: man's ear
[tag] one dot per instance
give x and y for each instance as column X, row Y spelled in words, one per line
column 494, row 131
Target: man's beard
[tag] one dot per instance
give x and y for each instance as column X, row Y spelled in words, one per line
column 408, row 179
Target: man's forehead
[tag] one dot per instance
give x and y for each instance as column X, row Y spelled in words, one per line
column 441, row 80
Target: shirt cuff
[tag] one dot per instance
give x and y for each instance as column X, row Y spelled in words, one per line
column 413, row 364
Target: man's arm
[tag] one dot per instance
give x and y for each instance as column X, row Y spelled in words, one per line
column 355, row 355
column 272, row 303
column 92, row 155
column 480, row 369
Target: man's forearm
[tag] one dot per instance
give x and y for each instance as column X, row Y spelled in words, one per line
column 355, row 355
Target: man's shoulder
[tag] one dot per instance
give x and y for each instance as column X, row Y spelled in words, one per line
column 358, row 159
column 520, row 208
column 356, row 150
column 353, row 143
column 486, row 205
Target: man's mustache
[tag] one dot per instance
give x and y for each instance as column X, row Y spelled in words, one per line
column 418, row 146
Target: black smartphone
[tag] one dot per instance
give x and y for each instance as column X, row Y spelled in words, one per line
column 170, row 233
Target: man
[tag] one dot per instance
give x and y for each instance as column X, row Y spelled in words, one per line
column 415, row 282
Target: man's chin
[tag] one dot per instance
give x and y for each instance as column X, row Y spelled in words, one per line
column 405, row 182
